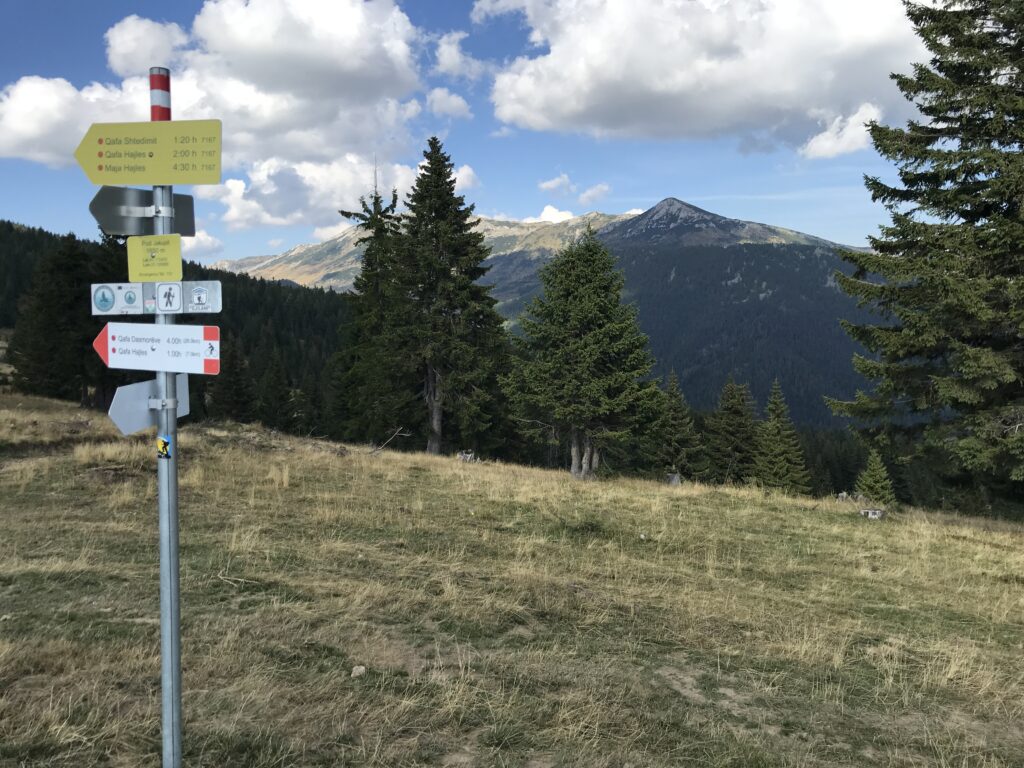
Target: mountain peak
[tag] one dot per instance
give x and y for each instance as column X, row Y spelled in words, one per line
column 677, row 211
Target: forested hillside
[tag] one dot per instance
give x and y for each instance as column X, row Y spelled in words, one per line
column 46, row 280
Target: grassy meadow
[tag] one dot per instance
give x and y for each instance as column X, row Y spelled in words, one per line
column 505, row 616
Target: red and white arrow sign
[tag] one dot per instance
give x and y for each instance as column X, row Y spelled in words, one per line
column 172, row 348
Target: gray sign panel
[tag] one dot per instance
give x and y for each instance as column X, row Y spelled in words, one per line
column 191, row 297
column 130, row 409
column 129, row 211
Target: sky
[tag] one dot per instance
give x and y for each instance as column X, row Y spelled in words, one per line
column 753, row 109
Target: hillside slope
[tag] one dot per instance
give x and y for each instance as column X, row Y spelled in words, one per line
column 505, row 615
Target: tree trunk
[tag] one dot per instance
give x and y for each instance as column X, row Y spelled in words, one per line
column 587, row 471
column 574, row 449
column 433, row 398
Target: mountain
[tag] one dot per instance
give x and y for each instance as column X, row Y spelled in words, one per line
column 717, row 296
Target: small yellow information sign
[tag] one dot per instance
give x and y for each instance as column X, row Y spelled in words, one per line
column 155, row 258
column 158, row 153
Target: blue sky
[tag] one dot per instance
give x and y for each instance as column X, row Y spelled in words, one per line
column 748, row 108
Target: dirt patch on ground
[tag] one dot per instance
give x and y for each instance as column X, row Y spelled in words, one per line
column 683, row 681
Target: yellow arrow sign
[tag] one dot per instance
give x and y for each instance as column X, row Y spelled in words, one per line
column 170, row 152
column 154, row 258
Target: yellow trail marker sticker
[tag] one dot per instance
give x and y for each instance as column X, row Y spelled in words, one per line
column 159, row 153
column 154, row 258
column 164, row 447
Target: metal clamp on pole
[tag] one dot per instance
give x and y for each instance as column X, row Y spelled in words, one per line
column 163, row 404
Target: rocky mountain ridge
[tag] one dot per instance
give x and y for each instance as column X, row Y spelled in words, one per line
column 717, row 296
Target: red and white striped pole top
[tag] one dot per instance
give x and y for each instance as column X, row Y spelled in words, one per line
column 159, row 94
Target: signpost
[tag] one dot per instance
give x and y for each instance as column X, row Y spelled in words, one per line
column 159, row 153
column 157, row 257
column 129, row 211
column 169, row 152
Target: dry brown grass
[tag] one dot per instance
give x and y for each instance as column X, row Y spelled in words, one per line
column 507, row 616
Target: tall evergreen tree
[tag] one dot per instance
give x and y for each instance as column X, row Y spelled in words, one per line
column 585, row 357
column 273, row 394
column 443, row 320
column 368, row 384
column 945, row 274
column 731, row 435
column 779, row 461
column 874, row 483
column 680, row 446
column 231, row 395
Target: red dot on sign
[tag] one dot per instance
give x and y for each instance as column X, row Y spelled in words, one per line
column 99, row 154
column 113, row 351
column 101, row 141
column 99, row 167
column 113, row 338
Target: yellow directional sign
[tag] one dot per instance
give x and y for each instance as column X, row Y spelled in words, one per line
column 158, row 153
column 156, row 258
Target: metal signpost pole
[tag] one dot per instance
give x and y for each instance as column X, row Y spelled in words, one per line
column 167, row 475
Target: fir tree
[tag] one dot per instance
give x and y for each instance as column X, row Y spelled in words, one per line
column 443, row 321
column 779, row 462
column 585, row 357
column 374, row 382
column 273, row 394
column 948, row 355
column 680, row 447
column 731, row 435
column 874, row 483
column 230, row 395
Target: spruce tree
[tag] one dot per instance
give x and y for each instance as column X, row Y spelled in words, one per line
column 779, row 462
column 680, row 447
column 443, row 320
column 945, row 275
column 273, row 394
column 230, row 395
column 874, row 483
column 584, row 356
column 731, row 435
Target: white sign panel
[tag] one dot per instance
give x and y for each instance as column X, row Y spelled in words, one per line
column 174, row 348
column 116, row 298
column 189, row 297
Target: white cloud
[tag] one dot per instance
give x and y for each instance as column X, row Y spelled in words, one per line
column 633, row 212
column 502, row 133
column 550, row 214
column 441, row 101
column 755, row 69
column 135, row 44
column 203, row 244
column 44, row 119
column 466, row 178
column 331, row 231
column 595, row 193
column 843, row 134
column 561, row 184
column 307, row 92
column 275, row 242
column 453, row 61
